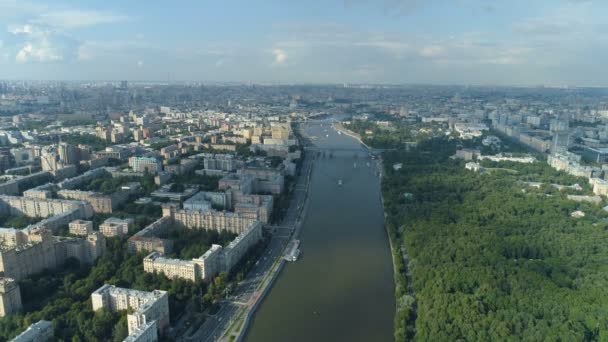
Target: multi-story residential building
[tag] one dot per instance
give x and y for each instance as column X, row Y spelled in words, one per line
column 223, row 162
column 41, row 331
column 10, row 297
column 56, row 212
column 569, row 163
column 80, row 227
column 257, row 207
column 70, row 154
column 144, row 307
column 501, row 158
column 198, row 202
column 600, row 186
column 172, row 268
column 185, row 166
column 42, row 191
column 217, row 259
column 13, row 186
column 267, row 180
column 237, row 182
column 11, row 238
column 144, row 333
column 209, row 219
column 42, row 251
column 280, row 131
column 114, row 226
column 145, row 164
column 73, row 182
column 147, row 239
column 99, row 202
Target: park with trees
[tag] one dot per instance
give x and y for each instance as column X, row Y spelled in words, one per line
column 482, row 256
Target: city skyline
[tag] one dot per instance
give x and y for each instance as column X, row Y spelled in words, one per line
column 554, row 43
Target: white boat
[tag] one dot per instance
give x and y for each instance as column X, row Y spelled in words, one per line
column 339, row 182
column 293, row 252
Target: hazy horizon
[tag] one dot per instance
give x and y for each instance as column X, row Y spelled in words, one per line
column 389, row 42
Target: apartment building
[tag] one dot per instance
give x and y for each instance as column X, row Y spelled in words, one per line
column 217, row 259
column 115, row 226
column 56, row 213
column 41, row 331
column 144, row 307
column 145, row 164
column 80, row 227
column 37, row 250
column 210, row 219
column 147, row 239
column 10, row 297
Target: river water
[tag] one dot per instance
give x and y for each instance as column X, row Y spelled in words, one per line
column 341, row 288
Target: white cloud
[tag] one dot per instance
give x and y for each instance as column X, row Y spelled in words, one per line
column 431, row 51
column 36, row 44
column 44, row 33
column 280, row 56
column 70, row 19
column 84, row 53
column 22, row 29
column 43, row 52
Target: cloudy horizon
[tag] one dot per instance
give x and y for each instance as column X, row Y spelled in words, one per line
column 478, row 42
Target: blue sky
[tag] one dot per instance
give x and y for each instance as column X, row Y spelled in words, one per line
column 495, row 42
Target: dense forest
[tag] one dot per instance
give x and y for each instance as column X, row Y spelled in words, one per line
column 491, row 258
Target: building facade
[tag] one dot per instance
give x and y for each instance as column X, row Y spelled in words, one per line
column 80, row 227
column 143, row 164
column 144, row 307
column 10, row 297
column 217, row 259
column 114, row 226
column 41, row 331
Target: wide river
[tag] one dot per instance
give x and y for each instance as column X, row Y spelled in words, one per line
column 341, row 288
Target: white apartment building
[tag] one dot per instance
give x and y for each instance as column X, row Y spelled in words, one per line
column 145, row 307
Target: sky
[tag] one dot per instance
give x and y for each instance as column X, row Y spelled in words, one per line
column 468, row 42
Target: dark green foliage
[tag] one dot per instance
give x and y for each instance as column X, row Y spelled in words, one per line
column 489, row 261
column 177, row 187
column 243, row 150
column 281, row 202
column 63, row 296
column 192, row 243
column 108, row 185
column 85, row 139
column 275, row 161
column 18, row 222
column 397, row 135
column 205, row 183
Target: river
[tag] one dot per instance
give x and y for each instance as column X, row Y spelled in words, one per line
column 341, row 288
